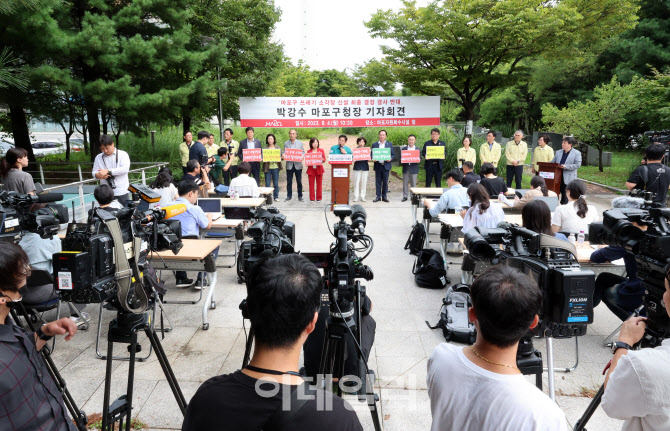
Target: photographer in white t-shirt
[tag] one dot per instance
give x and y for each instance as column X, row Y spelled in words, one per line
column 637, row 386
column 479, row 387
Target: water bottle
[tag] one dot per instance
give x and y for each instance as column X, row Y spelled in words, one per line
column 571, row 239
column 580, row 238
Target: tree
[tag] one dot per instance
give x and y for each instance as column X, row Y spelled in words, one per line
column 292, row 81
column 472, row 47
column 596, row 120
column 333, row 83
column 371, row 74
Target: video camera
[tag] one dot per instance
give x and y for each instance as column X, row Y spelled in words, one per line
column 16, row 217
column 651, row 249
column 106, row 258
column 658, row 136
column 567, row 290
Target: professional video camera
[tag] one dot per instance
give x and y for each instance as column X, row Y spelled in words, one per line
column 16, row 217
column 105, row 259
column 651, row 249
column 271, row 232
column 658, row 137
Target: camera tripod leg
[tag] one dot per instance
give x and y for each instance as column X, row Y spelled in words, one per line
column 167, row 369
column 108, row 382
column 581, row 423
column 550, row 368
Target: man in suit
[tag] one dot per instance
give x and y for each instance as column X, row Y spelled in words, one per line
column 382, row 169
column 570, row 160
column 409, row 170
column 249, row 144
column 434, row 166
column 293, row 167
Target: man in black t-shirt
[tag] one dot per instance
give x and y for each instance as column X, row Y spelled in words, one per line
column 283, row 300
column 653, row 176
column 469, row 176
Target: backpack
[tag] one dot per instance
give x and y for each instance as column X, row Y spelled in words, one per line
column 416, row 239
column 429, row 270
column 454, row 315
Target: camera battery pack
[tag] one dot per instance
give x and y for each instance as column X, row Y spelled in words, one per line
column 572, row 296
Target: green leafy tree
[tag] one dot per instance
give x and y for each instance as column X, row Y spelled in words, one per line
column 473, row 47
column 335, row 83
column 655, row 100
column 371, row 74
column 292, row 81
column 597, row 120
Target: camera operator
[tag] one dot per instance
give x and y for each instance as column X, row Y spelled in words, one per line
column 652, row 176
column 196, row 173
column 479, row 387
column 111, row 167
column 30, row 398
column 636, row 386
column 283, row 298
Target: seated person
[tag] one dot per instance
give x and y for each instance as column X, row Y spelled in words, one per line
column 164, row 186
column 455, row 198
column 196, row 174
column 479, row 387
column 636, row 386
column 31, row 400
column 576, row 215
column 192, row 220
column 538, row 188
column 536, row 216
column 621, row 295
column 493, row 185
column 469, row 176
column 104, row 196
column 243, row 185
column 283, row 299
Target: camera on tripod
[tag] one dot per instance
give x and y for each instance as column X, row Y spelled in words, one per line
column 16, row 217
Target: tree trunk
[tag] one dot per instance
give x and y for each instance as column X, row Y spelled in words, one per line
column 187, row 123
column 600, row 157
column 20, row 129
column 105, row 120
column 93, row 123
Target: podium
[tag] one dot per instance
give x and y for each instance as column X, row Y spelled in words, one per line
column 552, row 174
column 340, row 174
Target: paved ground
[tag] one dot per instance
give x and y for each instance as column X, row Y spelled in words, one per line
column 403, row 341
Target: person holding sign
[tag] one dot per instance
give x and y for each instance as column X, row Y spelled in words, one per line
column 251, row 144
column 293, row 167
column 466, row 154
column 434, row 164
column 570, row 160
column 315, row 172
column 361, row 169
column 382, row 166
column 491, row 151
column 272, row 163
column 516, row 152
column 341, row 147
column 410, row 169
column 543, row 153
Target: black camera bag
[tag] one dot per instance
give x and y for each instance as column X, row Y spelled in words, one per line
column 429, row 270
column 416, row 239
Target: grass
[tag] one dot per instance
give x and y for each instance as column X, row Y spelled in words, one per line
column 623, row 163
column 95, row 423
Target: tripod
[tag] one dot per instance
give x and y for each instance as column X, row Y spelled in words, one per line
column 339, row 326
column 124, row 330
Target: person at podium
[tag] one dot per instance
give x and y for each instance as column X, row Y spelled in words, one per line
column 341, row 147
column 570, row 160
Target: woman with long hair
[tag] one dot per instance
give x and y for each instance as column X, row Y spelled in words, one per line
column 576, row 215
column 361, row 169
column 12, row 174
column 164, row 186
column 536, row 216
column 538, row 188
column 482, row 211
column 315, row 172
column 271, row 169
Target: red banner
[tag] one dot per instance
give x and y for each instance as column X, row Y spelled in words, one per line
column 313, row 159
column 292, row 155
column 410, row 156
column 252, row 155
column 362, row 153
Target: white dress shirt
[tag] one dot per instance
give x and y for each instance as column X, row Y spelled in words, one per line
column 118, row 170
column 244, row 186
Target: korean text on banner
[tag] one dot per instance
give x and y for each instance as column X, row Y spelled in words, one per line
column 381, row 154
column 409, row 156
column 293, row 155
column 435, row 152
column 313, row 159
column 361, row 154
column 345, row 159
column 252, row 155
column 271, row 155
column 547, row 175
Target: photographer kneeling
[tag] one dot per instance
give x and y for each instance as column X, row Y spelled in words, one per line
column 479, row 387
column 30, row 398
column 636, row 386
column 283, row 299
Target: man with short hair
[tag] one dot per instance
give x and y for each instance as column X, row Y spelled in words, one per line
column 220, row 161
column 490, row 151
column 198, row 151
column 243, row 186
column 469, row 176
column 184, row 149
column 434, row 166
column 569, row 160
column 410, row 171
column 653, row 176
column 341, row 147
column 479, row 387
column 112, row 162
column 382, row 169
column 516, row 152
column 636, row 386
column 230, row 170
column 196, row 173
column 293, row 168
column 283, row 300
column 249, row 144
column 211, row 147
column 192, row 220
column 454, row 199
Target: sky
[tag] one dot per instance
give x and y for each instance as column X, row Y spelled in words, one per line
column 331, row 35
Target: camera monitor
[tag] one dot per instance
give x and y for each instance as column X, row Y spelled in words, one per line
column 237, row 213
column 211, row 206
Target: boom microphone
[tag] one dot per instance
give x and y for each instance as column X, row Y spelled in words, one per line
column 358, row 218
column 164, row 213
column 46, row 198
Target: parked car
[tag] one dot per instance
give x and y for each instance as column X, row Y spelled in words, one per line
column 46, row 147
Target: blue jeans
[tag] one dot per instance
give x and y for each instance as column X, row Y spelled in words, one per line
column 274, row 175
column 289, row 182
